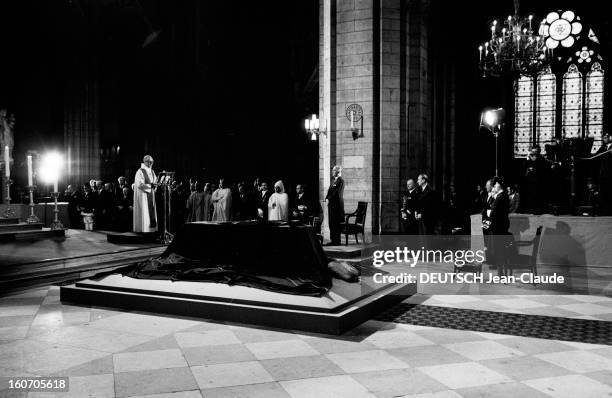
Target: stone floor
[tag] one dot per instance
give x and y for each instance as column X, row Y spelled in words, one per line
column 109, row 353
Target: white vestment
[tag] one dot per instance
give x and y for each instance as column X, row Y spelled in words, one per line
column 222, row 203
column 143, row 192
column 278, row 205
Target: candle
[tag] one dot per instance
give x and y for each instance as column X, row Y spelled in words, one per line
column 480, row 52
column 530, row 18
column 352, row 119
column 55, row 189
column 30, row 171
column 307, row 124
column 7, row 161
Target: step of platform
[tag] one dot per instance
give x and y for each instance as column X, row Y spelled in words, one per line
column 22, row 226
column 10, row 220
column 350, row 251
column 31, row 234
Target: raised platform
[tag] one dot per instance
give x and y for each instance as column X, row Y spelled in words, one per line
column 345, row 306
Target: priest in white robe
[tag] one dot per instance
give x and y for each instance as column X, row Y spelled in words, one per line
column 278, row 204
column 222, row 203
column 145, row 211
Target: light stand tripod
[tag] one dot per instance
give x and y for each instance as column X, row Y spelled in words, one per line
column 165, row 182
column 493, row 120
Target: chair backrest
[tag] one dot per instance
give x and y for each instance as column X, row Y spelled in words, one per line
column 362, row 209
column 536, row 245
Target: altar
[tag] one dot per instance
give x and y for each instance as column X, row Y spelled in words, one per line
column 44, row 212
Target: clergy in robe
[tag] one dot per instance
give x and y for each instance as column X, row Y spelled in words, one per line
column 145, row 212
column 222, row 202
column 198, row 204
column 278, row 204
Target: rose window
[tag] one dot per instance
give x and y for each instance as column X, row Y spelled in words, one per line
column 561, row 29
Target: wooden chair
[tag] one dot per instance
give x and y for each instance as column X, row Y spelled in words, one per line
column 524, row 261
column 356, row 227
column 477, row 268
column 316, row 222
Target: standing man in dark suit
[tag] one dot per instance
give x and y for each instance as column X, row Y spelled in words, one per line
column 244, row 207
column 536, row 178
column 427, row 205
column 335, row 205
column 499, row 223
column 409, row 207
column 487, row 199
column 262, row 201
column 74, row 215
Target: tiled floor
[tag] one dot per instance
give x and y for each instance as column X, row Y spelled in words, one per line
column 109, row 353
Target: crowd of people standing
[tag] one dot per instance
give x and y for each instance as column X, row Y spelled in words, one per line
column 224, row 202
column 106, row 205
column 110, row 206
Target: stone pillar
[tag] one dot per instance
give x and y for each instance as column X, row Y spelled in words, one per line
column 375, row 53
column 360, row 63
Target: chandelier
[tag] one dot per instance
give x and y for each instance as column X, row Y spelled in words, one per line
column 514, row 48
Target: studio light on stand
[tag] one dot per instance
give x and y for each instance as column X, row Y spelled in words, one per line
column 50, row 167
column 493, row 120
column 314, row 127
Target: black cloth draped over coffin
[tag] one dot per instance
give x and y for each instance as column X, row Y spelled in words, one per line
column 275, row 257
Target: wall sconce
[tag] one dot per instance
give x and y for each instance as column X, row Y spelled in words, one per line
column 313, row 127
column 354, row 113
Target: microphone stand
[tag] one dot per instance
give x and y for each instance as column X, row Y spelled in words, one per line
column 166, row 183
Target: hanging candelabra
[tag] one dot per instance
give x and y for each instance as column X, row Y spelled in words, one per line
column 515, row 47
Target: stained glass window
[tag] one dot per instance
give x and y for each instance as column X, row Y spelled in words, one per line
column 594, row 104
column 545, row 107
column 572, row 103
column 523, row 115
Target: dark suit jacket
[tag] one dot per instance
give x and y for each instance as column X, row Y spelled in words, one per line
column 312, row 206
column 427, row 205
column 488, row 200
column 500, row 223
column 245, row 207
column 409, row 206
column 335, row 196
column 262, row 202
column 118, row 192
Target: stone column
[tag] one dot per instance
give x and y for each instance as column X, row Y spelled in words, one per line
column 375, row 53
